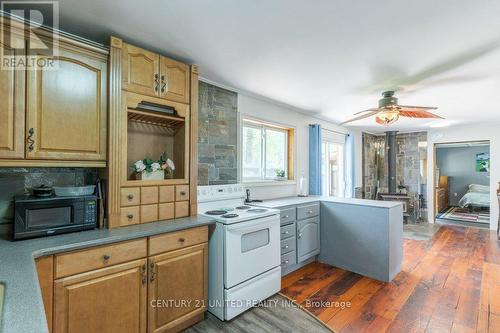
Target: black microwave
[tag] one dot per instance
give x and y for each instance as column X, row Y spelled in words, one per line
column 35, row 216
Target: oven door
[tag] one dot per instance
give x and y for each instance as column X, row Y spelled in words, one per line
column 251, row 248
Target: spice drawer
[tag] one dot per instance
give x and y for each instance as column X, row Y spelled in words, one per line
column 130, row 196
column 130, row 215
column 71, row 263
column 181, row 192
column 177, row 240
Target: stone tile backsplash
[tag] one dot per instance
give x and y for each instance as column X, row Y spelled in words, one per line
column 17, row 181
column 217, row 135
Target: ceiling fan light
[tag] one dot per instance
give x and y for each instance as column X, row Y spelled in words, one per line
column 388, row 117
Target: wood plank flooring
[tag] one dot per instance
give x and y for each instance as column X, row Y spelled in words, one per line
column 450, row 283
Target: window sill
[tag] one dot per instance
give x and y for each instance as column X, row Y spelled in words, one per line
column 269, row 183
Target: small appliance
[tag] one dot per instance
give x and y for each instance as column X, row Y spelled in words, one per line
column 44, row 216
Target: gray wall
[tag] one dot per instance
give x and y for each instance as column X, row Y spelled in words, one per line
column 217, row 135
column 459, row 164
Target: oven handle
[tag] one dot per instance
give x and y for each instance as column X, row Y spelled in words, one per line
column 253, row 225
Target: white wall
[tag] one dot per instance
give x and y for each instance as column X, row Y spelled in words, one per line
column 467, row 133
column 277, row 113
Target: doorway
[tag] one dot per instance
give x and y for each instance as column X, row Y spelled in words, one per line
column 462, row 183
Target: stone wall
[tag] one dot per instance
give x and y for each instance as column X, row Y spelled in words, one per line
column 17, row 181
column 217, row 136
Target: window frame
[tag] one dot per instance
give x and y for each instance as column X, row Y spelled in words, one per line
column 289, row 149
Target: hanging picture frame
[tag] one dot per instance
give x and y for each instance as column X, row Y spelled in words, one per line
column 483, row 162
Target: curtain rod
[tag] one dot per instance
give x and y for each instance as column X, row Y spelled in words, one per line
column 329, row 130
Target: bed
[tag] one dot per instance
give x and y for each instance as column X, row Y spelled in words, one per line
column 477, row 196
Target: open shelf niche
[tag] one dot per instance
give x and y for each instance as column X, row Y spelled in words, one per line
column 149, row 134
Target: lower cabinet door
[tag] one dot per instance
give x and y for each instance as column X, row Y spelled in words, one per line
column 307, row 238
column 106, row 300
column 178, row 293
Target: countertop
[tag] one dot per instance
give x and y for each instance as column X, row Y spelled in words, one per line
column 290, row 201
column 23, row 310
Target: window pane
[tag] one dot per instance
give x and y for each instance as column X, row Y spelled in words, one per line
column 275, row 152
column 252, row 153
column 332, row 169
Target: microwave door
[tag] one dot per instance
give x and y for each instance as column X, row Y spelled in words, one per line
column 49, row 217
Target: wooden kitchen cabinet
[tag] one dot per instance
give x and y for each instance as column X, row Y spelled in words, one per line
column 45, row 272
column 179, row 278
column 174, row 80
column 12, row 91
column 108, row 300
column 140, row 70
column 66, row 107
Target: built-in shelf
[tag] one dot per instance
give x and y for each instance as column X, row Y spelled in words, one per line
column 157, row 119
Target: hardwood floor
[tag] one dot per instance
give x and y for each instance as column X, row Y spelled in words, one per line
column 450, row 283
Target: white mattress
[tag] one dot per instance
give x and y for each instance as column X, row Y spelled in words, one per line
column 479, row 199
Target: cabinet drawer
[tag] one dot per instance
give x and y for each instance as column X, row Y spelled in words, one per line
column 288, row 245
column 287, row 231
column 181, row 192
column 129, row 215
column 149, row 213
column 177, row 240
column 182, row 209
column 166, row 211
column 130, row 196
column 98, row 257
column 287, row 215
column 149, row 195
column 307, row 211
column 288, row 259
column 167, row 193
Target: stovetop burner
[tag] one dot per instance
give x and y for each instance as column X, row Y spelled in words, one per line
column 243, row 207
column 257, row 210
column 216, row 212
column 229, row 216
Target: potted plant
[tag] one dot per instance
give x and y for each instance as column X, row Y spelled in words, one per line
column 167, row 165
column 280, row 174
column 147, row 169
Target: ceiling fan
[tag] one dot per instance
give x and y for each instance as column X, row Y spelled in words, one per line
column 389, row 111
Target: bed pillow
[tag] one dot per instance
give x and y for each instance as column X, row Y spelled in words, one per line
column 479, row 188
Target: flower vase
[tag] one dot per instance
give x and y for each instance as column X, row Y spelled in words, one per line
column 153, row 175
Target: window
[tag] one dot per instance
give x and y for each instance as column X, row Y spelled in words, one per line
column 264, row 150
column 332, row 165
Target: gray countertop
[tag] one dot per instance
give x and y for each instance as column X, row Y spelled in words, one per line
column 23, row 310
column 289, row 201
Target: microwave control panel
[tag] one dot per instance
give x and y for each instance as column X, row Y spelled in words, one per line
column 90, row 212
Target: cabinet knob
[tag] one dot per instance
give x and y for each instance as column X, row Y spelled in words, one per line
column 309, row 212
column 106, row 257
column 285, row 262
column 300, row 235
column 286, row 232
column 286, row 216
column 285, row 247
column 130, row 216
column 182, row 192
column 130, row 197
column 182, row 240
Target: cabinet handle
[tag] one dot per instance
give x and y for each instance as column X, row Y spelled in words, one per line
column 286, row 216
column 144, row 275
column 163, row 84
column 309, row 212
column 106, row 257
column 182, row 240
column 300, row 235
column 285, row 262
column 130, row 197
column 157, row 83
column 153, row 274
column 31, row 142
column 130, row 216
column 182, row 192
column 285, row 247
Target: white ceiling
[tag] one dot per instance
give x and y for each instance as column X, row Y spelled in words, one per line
column 330, row 58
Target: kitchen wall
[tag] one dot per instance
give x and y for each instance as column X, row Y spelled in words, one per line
column 264, row 109
column 464, row 133
column 217, row 135
column 459, row 164
column 17, row 181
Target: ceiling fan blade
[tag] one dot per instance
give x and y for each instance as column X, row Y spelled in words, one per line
column 371, row 113
column 418, row 114
column 418, row 107
column 368, row 110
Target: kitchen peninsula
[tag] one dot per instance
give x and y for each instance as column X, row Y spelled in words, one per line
column 361, row 236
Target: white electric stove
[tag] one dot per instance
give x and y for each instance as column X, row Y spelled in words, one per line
column 244, row 251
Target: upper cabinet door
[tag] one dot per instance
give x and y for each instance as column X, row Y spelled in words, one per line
column 66, row 108
column 140, row 71
column 11, row 110
column 174, row 80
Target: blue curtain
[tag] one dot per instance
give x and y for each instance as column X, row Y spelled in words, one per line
column 315, row 159
column 350, row 167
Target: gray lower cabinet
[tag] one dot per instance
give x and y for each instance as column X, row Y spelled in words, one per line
column 307, row 238
column 299, row 235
